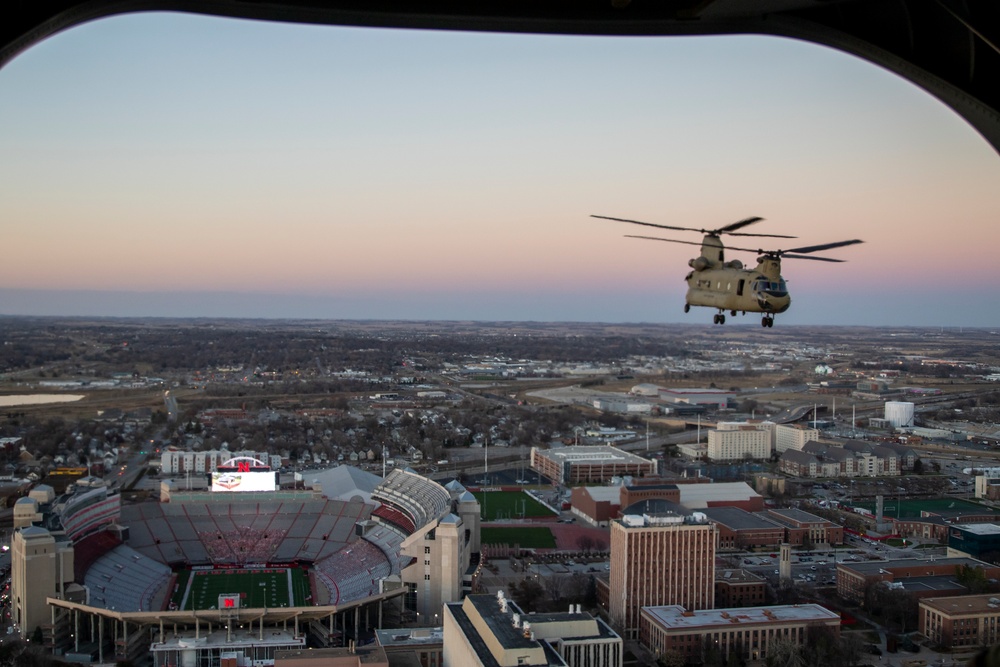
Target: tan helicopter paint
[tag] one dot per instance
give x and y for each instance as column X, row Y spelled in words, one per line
column 716, row 283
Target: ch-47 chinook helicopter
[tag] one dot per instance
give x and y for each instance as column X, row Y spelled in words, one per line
column 716, row 283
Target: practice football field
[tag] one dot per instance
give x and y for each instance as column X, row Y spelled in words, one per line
column 257, row 588
column 507, row 505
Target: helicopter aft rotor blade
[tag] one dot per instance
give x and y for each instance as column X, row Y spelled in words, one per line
column 729, row 229
column 823, row 246
column 818, row 259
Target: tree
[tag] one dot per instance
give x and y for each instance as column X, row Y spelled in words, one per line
column 851, row 648
column 527, row 593
column 783, row 653
column 672, row 658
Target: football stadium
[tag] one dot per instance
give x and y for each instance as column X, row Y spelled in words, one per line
column 242, row 569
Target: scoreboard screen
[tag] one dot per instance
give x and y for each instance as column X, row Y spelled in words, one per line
column 243, row 481
column 229, row 601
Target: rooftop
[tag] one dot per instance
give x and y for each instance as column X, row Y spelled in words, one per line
column 738, row 519
column 965, row 604
column 697, row 496
column 980, row 528
column 869, row 568
column 596, row 453
column 675, row 617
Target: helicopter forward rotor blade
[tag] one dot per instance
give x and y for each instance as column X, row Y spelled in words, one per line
column 648, row 224
column 657, row 238
column 818, row 259
column 824, row 246
column 728, row 229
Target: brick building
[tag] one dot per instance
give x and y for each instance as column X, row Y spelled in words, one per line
column 962, row 621
column 749, row 630
column 667, row 558
column 738, row 588
column 739, row 529
column 922, row 578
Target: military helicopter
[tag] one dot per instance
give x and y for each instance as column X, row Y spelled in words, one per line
column 716, row 283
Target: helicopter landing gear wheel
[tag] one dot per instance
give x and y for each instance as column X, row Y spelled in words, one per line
column 733, row 313
column 767, row 321
column 719, row 318
column 687, row 307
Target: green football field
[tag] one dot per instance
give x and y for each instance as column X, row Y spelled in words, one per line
column 257, row 588
column 911, row 508
column 536, row 537
column 507, row 505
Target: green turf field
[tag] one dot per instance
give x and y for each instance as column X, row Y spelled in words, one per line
column 506, row 505
column 269, row 587
column 909, row 509
column 534, row 537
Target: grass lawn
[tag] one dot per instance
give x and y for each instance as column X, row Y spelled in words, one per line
column 257, row 588
column 534, row 537
column 506, row 505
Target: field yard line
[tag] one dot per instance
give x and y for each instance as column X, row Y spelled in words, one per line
column 187, row 591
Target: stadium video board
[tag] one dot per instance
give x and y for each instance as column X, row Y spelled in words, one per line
column 243, row 481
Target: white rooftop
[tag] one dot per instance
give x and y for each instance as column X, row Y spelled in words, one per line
column 697, row 496
column 981, row 528
column 675, row 617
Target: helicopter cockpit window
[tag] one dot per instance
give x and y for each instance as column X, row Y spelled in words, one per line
column 773, row 288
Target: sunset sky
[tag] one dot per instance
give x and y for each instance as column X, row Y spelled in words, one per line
column 164, row 164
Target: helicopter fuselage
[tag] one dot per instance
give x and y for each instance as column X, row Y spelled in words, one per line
column 737, row 289
column 716, row 283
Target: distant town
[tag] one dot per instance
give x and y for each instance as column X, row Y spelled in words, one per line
column 248, row 493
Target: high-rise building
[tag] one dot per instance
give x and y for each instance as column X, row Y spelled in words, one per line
column 793, row 436
column 41, row 567
column 666, row 558
column 747, row 441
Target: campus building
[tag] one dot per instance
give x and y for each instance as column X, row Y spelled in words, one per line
column 583, row 464
column 745, row 442
column 802, row 527
column 793, row 436
column 750, row 631
column 961, row 621
column 739, row 529
column 41, row 566
column 484, row 630
column 657, row 559
column 921, row 578
column 738, row 588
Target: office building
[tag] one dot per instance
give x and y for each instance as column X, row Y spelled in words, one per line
column 962, row 621
column 41, row 567
column 748, row 630
column 746, row 442
column 486, row 630
column 660, row 559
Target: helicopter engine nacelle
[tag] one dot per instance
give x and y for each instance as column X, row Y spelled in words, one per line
column 734, row 264
column 698, row 263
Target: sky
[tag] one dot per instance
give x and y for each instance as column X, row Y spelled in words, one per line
column 186, row 166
